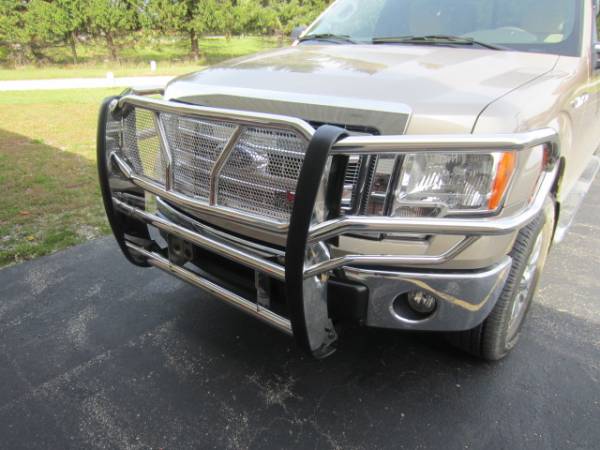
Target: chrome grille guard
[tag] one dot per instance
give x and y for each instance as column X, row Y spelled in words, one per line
column 307, row 258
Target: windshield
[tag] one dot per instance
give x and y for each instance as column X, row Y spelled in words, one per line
column 548, row 26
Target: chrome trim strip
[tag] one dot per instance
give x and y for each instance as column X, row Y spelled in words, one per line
column 262, row 265
column 240, row 117
column 449, row 226
column 389, row 260
column 443, row 143
column 220, row 162
column 227, row 296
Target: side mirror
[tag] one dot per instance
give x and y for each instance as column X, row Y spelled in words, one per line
column 297, row 32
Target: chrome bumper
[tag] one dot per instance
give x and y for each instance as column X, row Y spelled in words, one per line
column 465, row 299
column 305, row 264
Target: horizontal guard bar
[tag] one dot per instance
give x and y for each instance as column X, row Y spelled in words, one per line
column 353, row 144
column 227, row 296
column 230, row 115
column 262, row 265
column 443, row 143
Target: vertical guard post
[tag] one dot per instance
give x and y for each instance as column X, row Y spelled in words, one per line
column 119, row 223
column 307, row 298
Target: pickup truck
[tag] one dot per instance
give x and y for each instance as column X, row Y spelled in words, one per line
column 405, row 164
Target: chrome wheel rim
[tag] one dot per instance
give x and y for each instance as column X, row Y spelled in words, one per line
column 524, row 288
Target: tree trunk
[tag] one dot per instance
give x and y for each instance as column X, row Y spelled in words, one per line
column 35, row 51
column 18, row 53
column 194, row 45
column 73, row 44
column 111, row 46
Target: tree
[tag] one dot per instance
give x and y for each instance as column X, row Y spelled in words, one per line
column 58, row 20
column 191, row 17
column 111, row 18
column 202, row 19
column 298, row 12
column 13, row 30
column 251, row 16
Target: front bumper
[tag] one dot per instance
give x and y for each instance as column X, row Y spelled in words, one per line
column 304, row 265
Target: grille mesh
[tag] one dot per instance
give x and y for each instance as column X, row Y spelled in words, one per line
column 141, row 145
column 262, row 172
column 195, row 145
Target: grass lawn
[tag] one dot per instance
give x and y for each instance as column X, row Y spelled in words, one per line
column 171, row 55
column 50, row 196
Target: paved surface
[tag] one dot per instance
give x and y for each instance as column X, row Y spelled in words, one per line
column 96, row 353
column 83, row 83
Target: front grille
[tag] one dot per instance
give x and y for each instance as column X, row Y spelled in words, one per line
column 195, row 145
column 261, row 173
column 250, row 168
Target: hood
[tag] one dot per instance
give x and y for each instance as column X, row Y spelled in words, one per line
column 394, row 88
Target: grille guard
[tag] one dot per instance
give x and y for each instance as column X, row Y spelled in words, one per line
column 307, row 260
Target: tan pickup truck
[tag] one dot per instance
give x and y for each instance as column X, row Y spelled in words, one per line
column 406, row 164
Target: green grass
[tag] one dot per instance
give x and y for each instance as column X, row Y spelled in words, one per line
column 171, row 55
column 50, row 196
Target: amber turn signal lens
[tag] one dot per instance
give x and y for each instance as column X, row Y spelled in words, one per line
column 504, row 171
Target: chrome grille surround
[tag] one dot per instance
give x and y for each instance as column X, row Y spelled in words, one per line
column 246, row 167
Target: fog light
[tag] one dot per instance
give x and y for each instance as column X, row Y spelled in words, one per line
column 422, row 302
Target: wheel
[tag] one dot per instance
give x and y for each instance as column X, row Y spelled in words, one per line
column 500, row 331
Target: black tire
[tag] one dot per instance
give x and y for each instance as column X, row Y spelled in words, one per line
column 497, row 335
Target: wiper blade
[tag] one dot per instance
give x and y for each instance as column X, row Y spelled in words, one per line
column 329, row 37
column 435, row 39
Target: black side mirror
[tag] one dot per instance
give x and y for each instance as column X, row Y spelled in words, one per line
column 297, row 32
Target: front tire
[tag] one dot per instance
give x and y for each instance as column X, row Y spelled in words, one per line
column 500, row 331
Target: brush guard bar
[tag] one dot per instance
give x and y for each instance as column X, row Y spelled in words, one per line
column 307, row 258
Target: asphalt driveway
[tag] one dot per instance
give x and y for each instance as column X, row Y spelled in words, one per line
column 97, row 353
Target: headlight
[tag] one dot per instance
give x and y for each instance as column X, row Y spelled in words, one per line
column 430, row 184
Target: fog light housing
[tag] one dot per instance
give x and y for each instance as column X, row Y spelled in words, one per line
column 422, row 302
